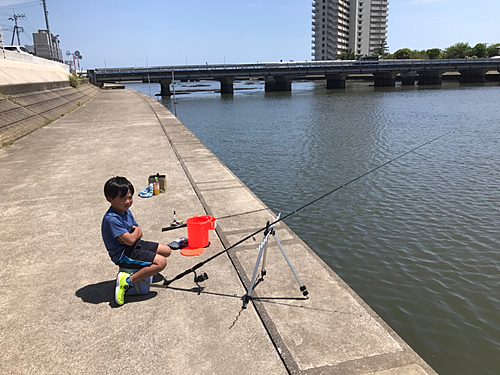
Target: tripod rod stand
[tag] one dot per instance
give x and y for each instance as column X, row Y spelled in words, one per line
column 262, row 255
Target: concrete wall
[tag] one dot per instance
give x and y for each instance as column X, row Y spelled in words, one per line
column 16, row 56
column 19, row 68
column 20, row 72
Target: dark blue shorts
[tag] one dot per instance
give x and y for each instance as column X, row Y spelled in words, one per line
column 140, row 254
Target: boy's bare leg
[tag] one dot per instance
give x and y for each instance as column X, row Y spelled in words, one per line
column 163, row 250
column 159, row 263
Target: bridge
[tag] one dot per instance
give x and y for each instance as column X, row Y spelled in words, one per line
column 279, row 76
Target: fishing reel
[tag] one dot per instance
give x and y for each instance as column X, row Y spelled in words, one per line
column 200, row 278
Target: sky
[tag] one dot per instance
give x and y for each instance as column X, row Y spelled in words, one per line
column 128, row 33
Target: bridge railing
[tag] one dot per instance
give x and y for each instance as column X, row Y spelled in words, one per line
column 295, row 65
column 301, row 68
column 201, row 67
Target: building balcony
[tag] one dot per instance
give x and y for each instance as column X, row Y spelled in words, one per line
column 378, row 21
column 377, row 36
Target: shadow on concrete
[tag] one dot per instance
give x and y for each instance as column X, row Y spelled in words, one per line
column 104, row 292
column 202, row 290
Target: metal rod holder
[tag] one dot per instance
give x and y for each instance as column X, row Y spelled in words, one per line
column 262, row 255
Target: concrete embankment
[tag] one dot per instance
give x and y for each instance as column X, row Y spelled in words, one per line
column 17, row 69
column 29, row 106
column 58, row 310
column 33, row 93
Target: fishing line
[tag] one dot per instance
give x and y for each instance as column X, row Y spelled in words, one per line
column 196, row 266
column 172, row 227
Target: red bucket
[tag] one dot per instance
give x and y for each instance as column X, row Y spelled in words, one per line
column 197, row 230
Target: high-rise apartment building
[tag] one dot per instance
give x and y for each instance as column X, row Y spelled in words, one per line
column 340, row 26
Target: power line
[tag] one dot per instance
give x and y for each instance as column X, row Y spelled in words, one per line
column 27, row 5
column 31, row 27
column 30, row 38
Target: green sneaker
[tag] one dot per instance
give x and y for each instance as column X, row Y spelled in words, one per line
column 121, row 287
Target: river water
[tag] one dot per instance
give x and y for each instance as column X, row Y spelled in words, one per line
column 417, row 239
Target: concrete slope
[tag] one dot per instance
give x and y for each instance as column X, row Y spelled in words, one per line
column 25, row 111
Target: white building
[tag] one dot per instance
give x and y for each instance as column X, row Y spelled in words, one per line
column 340, row 26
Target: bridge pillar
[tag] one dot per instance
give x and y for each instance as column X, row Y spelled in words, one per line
column 278, row 83
column 408, row 79
column 385, row 79
column 336, row 81
column 226, row 85
column 493, row 77
column 473, row 75
column 165, row 87
column 430, row 77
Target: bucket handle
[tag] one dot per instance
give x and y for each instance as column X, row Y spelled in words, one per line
column 213, row 223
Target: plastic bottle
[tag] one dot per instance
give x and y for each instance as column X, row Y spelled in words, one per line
column 156, row 186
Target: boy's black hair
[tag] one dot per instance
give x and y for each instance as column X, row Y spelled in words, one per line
column 117, row 185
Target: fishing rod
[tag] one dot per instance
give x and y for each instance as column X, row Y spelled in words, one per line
column 268, row 225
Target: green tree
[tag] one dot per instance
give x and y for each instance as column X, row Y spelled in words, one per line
column 492, row 50
column 416, row 54
column 433, row 53
column 480, row 50
column 403, row 53
column 349, row 55
column 458, row 51
column 382, row 49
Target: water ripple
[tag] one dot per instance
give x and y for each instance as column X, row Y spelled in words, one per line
column 418, row 239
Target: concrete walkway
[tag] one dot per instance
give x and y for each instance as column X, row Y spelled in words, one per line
column 57, row 300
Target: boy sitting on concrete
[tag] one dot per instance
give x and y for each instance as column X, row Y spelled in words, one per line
column 122, row 237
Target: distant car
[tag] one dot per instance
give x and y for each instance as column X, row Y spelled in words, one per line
column 368, row 58
column 17, row 49
column 364, row 60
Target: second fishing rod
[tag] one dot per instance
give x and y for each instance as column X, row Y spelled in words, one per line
column 268, row 225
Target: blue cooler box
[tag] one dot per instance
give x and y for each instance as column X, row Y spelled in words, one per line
column 139, row 287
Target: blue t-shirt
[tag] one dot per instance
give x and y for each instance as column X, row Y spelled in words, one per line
column 113, row 225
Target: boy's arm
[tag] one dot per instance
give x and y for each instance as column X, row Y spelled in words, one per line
column 129, row 238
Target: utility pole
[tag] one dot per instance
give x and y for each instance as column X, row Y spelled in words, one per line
column 46, row 13
column 1, row 43
column 16, row 28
